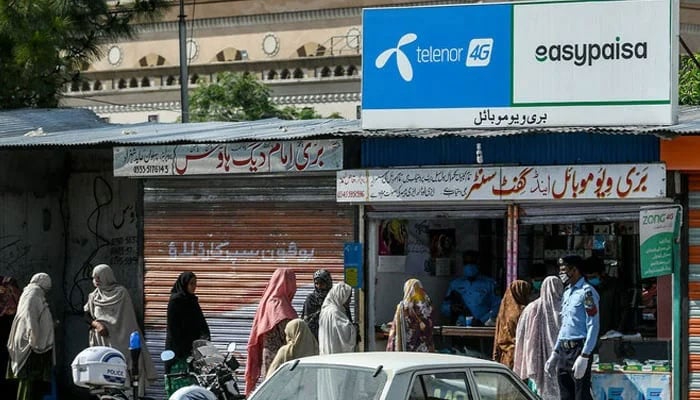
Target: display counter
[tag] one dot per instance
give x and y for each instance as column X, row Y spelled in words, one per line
column 618, row 385
column 465, row 331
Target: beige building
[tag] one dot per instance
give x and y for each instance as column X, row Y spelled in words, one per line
column 307, row 51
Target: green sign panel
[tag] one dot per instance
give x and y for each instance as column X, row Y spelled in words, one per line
column 659, row 228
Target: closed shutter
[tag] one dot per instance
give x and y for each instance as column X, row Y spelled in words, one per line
column 233, row 234
column 541, row 213
column 694, row 285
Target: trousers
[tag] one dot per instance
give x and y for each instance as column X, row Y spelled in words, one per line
column 570, row 387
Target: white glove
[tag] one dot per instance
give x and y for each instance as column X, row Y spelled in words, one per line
column 490, row 322
column 580, row 366
column 551, row 365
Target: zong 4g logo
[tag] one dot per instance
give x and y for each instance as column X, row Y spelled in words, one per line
column 477, row 54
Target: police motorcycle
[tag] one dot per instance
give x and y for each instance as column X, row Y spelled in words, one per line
column 214, row 373
column 103, row 371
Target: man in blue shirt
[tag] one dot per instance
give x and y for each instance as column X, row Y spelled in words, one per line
column 578, row 334
column 471, row 295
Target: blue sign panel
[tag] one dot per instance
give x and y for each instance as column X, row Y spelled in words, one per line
column 437, row 57
column 353, row 260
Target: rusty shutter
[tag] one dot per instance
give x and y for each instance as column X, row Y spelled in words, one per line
column 694, row 285
column 233, row 234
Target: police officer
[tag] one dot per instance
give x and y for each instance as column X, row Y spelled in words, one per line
column 472, row 295
column 580, row 323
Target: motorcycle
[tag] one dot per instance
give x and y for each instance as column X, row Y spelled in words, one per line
column 213, row 372
column 103, row 371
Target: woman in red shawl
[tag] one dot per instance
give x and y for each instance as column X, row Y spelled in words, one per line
column 515, row 299
column 267, row 336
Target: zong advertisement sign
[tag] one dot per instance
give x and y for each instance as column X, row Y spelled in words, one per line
column 519, row 65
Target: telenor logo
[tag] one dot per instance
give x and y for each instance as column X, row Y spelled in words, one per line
column 402, row 62
column 586, row 53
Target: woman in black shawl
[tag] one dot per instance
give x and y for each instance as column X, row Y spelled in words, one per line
column 312, row 306
column 186, row 321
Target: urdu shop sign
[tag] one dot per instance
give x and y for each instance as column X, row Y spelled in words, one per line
column 519, row 64
column 459, row 184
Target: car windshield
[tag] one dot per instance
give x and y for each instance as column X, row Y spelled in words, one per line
column 328, row 382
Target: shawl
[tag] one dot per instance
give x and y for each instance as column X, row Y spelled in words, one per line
column 314, row 301
column 186, row 322
column 111, row 305
column 412, row 327
column 514, row 300
column 32, row 329
column 536, row 336
column 275, row 306
column 336, row 332
column 300, row 343
column 9, row 296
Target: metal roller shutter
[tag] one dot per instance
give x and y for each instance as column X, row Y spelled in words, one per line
column 233, row 234
column 694, row 286
column 578, row 212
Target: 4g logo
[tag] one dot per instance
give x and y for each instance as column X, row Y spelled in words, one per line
column 479, row 52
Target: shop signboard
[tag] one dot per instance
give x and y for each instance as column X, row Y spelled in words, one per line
column 523, row 64
column 459, row 184
column 229, row 158
column 659, row 229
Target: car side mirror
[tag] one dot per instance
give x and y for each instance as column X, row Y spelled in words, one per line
column 167, row 355
column 231, row 347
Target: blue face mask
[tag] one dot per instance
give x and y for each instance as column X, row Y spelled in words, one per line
column 470, row 271
column 536, row 285
column 595, row 281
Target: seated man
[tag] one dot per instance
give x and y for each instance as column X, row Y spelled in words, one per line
column 471, row 295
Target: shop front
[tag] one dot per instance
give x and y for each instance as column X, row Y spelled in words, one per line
column 233, row 214
column 521, row 220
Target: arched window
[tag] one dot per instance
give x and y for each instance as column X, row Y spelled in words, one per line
column 351, row 71
column 285, row 74
column 298, row 73
column 97, row 85
column 325, row 72
column 122, row 84
column 194, row 79
column 75, row 86
column 85, row 86
column 170, row 81
column 271, row 75
column 133, row 83
column 339, row 71
column 145, row 82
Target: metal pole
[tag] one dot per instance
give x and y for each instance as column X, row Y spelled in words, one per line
column 184, row 100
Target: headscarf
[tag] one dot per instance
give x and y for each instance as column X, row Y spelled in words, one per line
column 186, row 321
column 514, row 300
column 313, row 303
column 9, row 296
column 300, row 343
column 536, row 336
column 336, row 333
column 111, row 305
column 275, row 307
column 412, row 328
column 32, row 329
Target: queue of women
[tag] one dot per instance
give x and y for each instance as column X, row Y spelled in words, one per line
column 278, row 333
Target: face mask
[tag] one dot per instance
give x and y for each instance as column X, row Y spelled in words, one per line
column 470, row 271
column 536, row 285
column 564, row 277
column 595, row 281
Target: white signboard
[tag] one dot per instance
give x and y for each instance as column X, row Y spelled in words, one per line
column 229, row 158
column 520, row 64
column 601, row 182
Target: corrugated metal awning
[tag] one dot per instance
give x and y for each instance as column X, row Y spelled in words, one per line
column 76, row 127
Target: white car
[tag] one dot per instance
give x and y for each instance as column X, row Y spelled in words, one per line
column 392, row 376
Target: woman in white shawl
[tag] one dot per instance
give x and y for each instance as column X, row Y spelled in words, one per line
column 336, row 332
column 112, row 319
column 536, row 336
column 31, row 343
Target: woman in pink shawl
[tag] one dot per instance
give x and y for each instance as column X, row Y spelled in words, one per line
column 536, row 335
column 267, row 336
